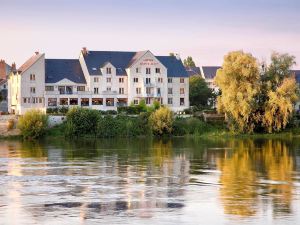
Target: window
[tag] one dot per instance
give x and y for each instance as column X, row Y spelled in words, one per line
column 63, row 101
column 170, row 91
column 170, row 101
column 32, row 77
column 73, row 101
column 61, row 90
column 96, row 79
column 138, row 70
column 181, row 101
column 148, row 70
column 69, row 89
column 108, row 89
column 80, row 88
column 96, row 90
column 108, row 70
column 138, row 90
column 49, row 88
column 97, row 101
column 135, row 101
column 148, row 101
column 157, row 70
column 121, row 90
column 170, row 80
column 121, row 80
column 181, row 91
column 4, row 86
column 85, row 102
column 160, row 80
column 181, row 80
column 109, row 102
column 32, row 90
column 108, row 80
column 158, row 91
column 40, row 100
column 24, row 100
column 52, row 102
column 135, row 80
column 148, row 90
column 148, row 80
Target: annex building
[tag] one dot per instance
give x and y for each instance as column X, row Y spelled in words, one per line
column 102, row 80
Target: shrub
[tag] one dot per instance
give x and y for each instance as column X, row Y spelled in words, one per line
column 10, row 124
column 33, row 124
column 161, row 121
column 81, row 121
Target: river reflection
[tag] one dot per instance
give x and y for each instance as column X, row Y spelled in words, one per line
column 172, row 181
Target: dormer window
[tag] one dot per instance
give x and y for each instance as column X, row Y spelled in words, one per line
column 148, row 70
column 157, row 70
column 108, row 70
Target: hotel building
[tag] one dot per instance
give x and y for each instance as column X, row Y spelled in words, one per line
column 102, row 80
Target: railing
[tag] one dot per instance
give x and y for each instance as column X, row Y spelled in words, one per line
column 110, row 92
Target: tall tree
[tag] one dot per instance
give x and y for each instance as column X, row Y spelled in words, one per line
column 239, row 81
column 199, row 92
column 189, row 62
column 279, row 92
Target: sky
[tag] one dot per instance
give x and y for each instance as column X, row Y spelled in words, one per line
column 205, row 30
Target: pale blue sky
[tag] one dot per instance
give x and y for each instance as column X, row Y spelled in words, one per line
column 205, row 30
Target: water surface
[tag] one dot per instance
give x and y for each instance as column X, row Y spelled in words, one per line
column 141, row 181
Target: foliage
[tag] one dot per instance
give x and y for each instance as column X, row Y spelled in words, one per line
column 33, row 124
column 189, row 62
column 255, row 100
column 81, row 121
column 10, row 124
column 279, row 93
column 200, row 93
column 58, row 110
column 239, row 81
column 161, row 121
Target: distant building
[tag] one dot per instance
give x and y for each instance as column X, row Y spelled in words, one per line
column 102, row 80
column 207, row 72
column 4, row 72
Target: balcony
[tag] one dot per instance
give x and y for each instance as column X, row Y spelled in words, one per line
column 149, row 84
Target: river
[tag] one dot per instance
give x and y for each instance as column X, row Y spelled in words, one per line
column 143, row 181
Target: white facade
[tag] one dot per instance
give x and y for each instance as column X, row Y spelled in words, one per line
column 146, row 78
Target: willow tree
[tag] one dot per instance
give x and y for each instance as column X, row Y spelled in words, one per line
column 239, row 81
column 279, row 92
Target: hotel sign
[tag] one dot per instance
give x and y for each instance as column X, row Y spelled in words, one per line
column 148, row 62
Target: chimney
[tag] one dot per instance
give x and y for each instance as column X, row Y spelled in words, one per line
column 37, row 53
column 84, row 51
column 13, row 67
column 2, row 69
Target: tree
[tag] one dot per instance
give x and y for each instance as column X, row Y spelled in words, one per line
column 161, row 121
column 189, row 62
column 239, row 81
column 279, row 92
column 253, row 99
column 200, row 93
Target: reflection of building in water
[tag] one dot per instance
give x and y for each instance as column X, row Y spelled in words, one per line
column 245, row 167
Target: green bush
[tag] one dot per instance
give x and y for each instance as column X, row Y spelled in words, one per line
column 82, row 121
column 33, row 124
column 161, row 121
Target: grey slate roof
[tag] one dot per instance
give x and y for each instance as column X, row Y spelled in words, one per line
column 122, row 60
column 210, row 71
column 8, row 69
column 96, row 60
column 192, row 71
column 297, row 75
column 174, row 66
column 59, row 69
